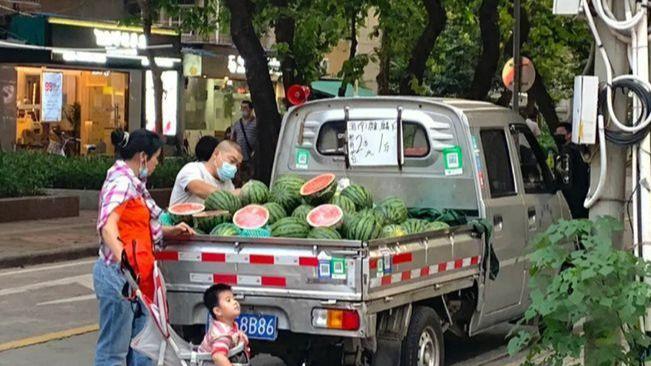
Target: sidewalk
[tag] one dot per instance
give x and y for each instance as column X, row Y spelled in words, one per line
column 40, row 241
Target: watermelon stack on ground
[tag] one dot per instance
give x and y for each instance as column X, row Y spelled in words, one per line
column 254, row 192
column 182, row 212
column 319, row 189
column 223, row 200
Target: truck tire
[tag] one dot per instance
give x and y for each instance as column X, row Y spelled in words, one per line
column 423, row 345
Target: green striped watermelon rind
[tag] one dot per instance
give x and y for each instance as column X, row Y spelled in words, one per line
column 254, row 192
column 301, row 211
column 207, row 220
column 345, row 203
column 361, row 197
column 393, row 231
column 324, row 233
column 365, row 228
column 223, row 200
column 276, row 212
column 289, row 227
column 414, row 226
column 226, row 229
column 395, row 210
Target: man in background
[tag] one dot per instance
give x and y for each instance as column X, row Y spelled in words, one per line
column 245, row 132
column 579, row 171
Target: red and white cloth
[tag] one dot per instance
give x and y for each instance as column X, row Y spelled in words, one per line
column 221, row 337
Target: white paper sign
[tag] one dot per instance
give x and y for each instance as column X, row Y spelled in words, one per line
column 52, row 96
column 373, row 142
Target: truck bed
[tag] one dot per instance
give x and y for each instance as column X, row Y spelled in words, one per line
column 380, row 274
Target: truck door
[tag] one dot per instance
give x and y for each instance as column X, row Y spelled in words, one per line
column 540, row 195
column 502, row 297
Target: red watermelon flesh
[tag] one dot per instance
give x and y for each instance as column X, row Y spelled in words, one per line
column 319, row 189
column 251, row 217
column 325, row 216
column 184, row 209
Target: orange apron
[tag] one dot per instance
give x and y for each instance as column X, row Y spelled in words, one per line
column 135, row 234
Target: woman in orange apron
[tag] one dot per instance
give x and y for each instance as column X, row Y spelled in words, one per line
column 129, row 228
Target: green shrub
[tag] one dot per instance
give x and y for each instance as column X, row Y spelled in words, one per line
column 28, row 173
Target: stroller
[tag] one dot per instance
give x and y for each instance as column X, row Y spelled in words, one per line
column 158, row 340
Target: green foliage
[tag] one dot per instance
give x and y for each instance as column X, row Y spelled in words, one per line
column 28, row 173
column 597, row 283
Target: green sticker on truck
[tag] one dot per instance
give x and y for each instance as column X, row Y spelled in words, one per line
column 453, row 160
column 302, row 158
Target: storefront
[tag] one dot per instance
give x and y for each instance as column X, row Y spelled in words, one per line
column 215, row 85
column 77, row 81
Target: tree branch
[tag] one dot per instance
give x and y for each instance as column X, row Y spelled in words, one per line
column 490, row 53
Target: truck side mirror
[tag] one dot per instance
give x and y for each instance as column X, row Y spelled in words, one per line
column 562, row 171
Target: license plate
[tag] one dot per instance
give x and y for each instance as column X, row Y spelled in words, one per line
column 262, row 327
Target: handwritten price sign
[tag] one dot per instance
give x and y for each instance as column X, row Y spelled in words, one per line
column 373, row 143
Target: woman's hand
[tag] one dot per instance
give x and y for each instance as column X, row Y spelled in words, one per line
column 179, row 229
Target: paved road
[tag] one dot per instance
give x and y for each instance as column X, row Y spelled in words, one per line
column 49, row 316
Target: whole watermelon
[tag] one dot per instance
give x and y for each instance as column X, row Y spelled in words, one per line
column 225, row 229
column 286, row 192
column 276, row 212
column 345, row 203
column 377, row 213
column 290, row 227
column 207, row 220
column 349, row 222
column 436, row 225
column 414, row 226
column 254, row 191
column 393, row 231
column 365, row 228
column 324, row 233
column 394, row 209
column 360, row 196
column 301, row 212
column 223, row 200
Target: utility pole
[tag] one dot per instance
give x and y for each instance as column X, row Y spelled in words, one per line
column 517, row 61
column 612, row 200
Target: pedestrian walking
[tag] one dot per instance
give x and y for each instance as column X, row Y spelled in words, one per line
column 245, row 132
column 128, row 226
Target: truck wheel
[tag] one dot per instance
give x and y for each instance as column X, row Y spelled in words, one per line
column 423, row 345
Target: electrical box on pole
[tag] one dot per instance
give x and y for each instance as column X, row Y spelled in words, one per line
column 566, row 7
column 584, row 116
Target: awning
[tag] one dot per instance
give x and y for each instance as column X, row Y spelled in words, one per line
column 330, row 88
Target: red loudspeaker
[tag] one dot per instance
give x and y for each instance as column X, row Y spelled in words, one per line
column 298, row 94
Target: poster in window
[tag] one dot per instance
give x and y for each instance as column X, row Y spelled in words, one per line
column 52, row 96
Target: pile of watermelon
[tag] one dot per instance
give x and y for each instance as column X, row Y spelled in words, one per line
column 295, row 208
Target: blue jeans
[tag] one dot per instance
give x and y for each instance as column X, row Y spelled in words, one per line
column 118, row 321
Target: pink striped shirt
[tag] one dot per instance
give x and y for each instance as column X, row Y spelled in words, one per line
column 221, row 337
column 122, row 185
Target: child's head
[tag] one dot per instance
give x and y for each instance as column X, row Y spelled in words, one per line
column 221, row 303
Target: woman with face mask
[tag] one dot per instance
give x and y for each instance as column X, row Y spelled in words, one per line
column 197, row 180
column 129, row 228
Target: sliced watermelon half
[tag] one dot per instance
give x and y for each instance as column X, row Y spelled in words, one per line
column 325, row 216
column 319, row 189
column 186, row 209
column 251, row 217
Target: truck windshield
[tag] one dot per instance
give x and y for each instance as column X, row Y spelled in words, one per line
column 332, row 139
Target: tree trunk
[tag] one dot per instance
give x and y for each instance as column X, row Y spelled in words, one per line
column 490, row 53
column 545, row 102
column 437, row 19
column 147, row 14
column 525, row 27
column 385, row 65
column 351, row 55
column 260, row 85
column 285, row 26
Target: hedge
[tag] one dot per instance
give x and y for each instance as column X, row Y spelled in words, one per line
column 28, row 173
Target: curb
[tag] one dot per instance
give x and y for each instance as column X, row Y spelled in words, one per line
column 48, row 256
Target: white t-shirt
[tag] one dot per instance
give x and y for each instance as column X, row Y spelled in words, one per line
column 190, row 172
